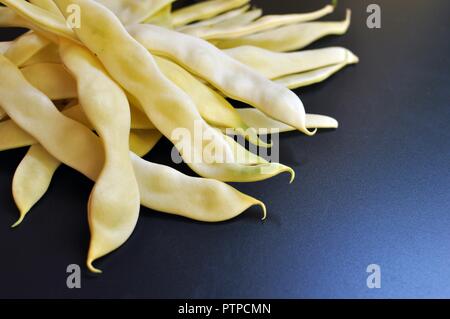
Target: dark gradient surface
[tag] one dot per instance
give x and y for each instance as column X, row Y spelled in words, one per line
column 374, row 191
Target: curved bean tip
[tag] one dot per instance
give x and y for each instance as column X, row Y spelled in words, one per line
column 292, row 172
column 308, row 132
column 334, row 3
column 263, row 206
column 19, row 221
column 348, row 15
column 92, row 268
column 256, row 140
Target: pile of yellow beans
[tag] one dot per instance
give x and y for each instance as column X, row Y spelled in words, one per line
column 96, row 84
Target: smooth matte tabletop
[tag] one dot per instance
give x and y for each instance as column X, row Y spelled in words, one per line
column 375, row 191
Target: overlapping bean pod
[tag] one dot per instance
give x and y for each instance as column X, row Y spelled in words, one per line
column 127, row 75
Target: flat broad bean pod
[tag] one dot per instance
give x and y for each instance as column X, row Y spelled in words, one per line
column 259, row 120
column 161, row 188
column 291, row 37
column 215, row 20
column 171, row 110
column 114, row 202
column 263, row 24
column 231, row 77
column 52, row 79
column 204, row 10
column 275, row 64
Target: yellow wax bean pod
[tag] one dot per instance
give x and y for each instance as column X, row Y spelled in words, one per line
column 291, row 37
column 48, row 54
column 4, row 46
column 34, row 174
column 275, row 64
column 134, row 11
column 32, row 179
column 24, row 47
column 12, row 136
column 171, row 110
column 161, row 188
column 214, row 108
column 33, row 111
column 162, row 18
column 143, row 141
column 208, row 200
column 204, row 10
column 8, row 18
column 139, row 119
column 48, row 5
column 242, row 155
column 240, row 20
column 217, row 19
column 231, row 77
column 265, row 23
column 41, row 19
column 259, row 120
column 51, row 79
column 114, row 201
column 296, row 81
column 202, row 199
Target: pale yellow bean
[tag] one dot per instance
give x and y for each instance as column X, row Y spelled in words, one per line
column 52, row 79
column 296, row 81
column 260, row 121
column 113, row 208
column 204, row 10
column 41, row 19
column 275, row 64
column 134, row 11
column 161, row 188
column 291, row 37
column 231, row 77
column 24, row 47
column 240, row 20
column 213, row 107
column 265, row 23
column 171, row 110
column 32, row 179
column 48, row 54
column 217, row 19
column 8, row 18
column 162, row 18
column 4, row 46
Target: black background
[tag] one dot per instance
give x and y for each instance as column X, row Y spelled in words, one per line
column 374, row 191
